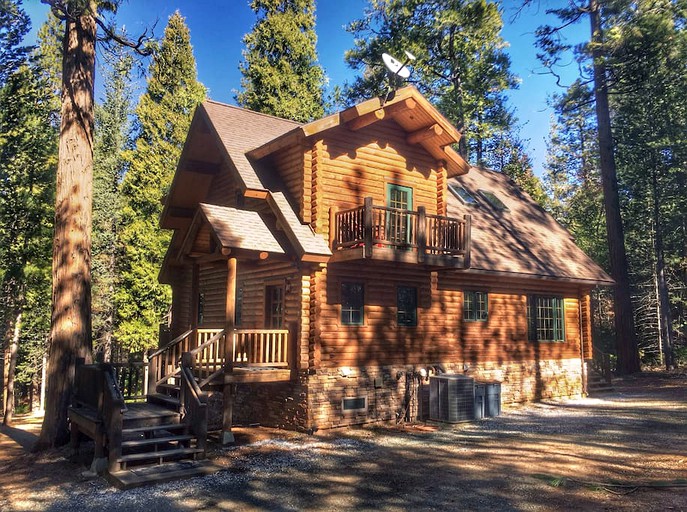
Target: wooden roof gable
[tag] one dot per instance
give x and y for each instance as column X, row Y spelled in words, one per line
column 422, row 122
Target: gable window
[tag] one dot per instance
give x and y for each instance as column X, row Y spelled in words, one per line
column 406, row 305
column 546, row 318
column 475, row 306
column 352, row 303
column 463, row 195
column 494, row 200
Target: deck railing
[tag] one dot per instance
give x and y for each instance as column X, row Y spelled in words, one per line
column 371, row 226
column 249, row 347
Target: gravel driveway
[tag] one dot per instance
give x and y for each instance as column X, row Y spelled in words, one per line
column 625, row 450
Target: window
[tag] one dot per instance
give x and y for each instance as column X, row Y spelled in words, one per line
column 200, row 308
column 352, row 303
column 406, row 304
column 475, row 306
column 274, row 307
column 358, row 403
column 238, row 307
column 546, row 318
column 462, row 194
column 493, row 200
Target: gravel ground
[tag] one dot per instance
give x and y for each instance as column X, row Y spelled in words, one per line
column 625, row 450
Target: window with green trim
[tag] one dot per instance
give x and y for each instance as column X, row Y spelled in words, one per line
column 475, row 306
column 546, row 318
column 494, row 200
column 406, row 306
column 352, row 303
column 462, row 194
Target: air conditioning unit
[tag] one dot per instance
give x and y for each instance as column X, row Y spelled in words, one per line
column 451, row 398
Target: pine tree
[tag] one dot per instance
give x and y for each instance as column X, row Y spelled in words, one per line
column 281, row 75
column 111, row 137
column 163, row 117
column 27, row 164
column 14, row 25
column 461, row 61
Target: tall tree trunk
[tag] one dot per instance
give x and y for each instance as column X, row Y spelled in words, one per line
column 665, row 320
column 71, row 321
column 626, row 338
column 12, row 368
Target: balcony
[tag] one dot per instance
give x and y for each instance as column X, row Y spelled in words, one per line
column 405, row 236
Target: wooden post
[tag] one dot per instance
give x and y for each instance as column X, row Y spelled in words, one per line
column 332, row 227
column 229, row 391
column 421, row 233
column 466, row 241
column 367, row 226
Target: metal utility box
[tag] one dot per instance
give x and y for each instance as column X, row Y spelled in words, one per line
column 480, row 392
column 451, row 398
column 492, row 403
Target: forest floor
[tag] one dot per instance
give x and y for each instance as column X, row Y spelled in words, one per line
column 623, row 450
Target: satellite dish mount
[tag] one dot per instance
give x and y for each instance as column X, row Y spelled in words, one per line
column 398, row 72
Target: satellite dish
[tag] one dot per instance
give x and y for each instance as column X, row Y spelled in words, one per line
column 398, row 72
column 397, row 68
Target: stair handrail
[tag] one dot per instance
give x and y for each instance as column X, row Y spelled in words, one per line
column 194, row 402
column 216, row 338
column 113, row 411
column 601, row 362
column 169, row 345
column 155, row 367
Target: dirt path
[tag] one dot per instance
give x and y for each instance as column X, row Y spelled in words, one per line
column 548, row 456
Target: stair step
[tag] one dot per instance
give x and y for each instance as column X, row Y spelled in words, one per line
column 169, row 387
column 156, row 440
column 166, row 472
column 167, row 426
column 165, row 400
column 162, row 454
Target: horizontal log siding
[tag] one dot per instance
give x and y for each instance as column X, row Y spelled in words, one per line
column 359, row 164
column 212, row 284
column 223, row 190
column 182, row 284
column 290, row 165
column 441, row 334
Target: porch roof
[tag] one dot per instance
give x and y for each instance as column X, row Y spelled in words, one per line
column 240, row 229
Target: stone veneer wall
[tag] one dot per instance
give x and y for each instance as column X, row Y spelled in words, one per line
column 315, row 401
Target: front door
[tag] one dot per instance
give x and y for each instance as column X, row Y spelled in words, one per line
column 274, row 307
column 398, row 223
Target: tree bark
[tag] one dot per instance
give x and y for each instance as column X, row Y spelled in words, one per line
column 71, row 297
column 12, row 367
column 626, row 339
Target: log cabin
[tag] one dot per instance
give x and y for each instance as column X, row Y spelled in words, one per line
column 321, row 271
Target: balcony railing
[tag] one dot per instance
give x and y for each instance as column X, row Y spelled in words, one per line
column 369, row 227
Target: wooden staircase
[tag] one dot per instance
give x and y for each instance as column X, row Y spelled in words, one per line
column 162, row 439
column 599, row 373
column 597, row 383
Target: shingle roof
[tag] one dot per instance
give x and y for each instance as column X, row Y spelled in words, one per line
column 523, row 240
column 240, row 229
column 241, row 130
column 309, row 241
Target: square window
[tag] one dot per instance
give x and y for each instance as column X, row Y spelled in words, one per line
column 475, row 306
column 546, row 318
column 352, row 303
column 406, row 305
column 462, row 194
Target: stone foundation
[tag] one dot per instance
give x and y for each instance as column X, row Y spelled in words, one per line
column 390, row 393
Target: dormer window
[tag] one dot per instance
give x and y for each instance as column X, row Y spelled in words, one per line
column 463, row 195
column 493, row 200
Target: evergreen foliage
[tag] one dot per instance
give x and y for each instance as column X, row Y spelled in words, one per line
column 461, row 62
column 111, row 139
column 281, row 75
column 163, row 117
column 27, row 164
column 14, row 25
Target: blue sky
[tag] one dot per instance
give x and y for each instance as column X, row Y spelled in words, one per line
column 218, row 26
